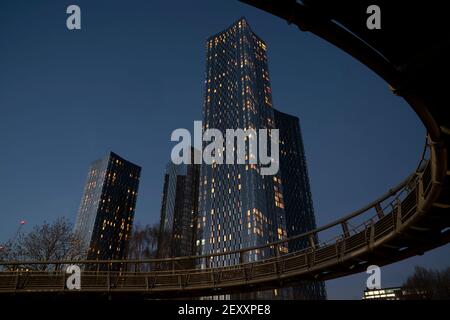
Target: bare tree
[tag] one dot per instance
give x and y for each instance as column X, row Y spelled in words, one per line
column 5, row 251
column 143, row 242
column 429, row 284
column 146, row 243
column 165, row 244
column 47, row 242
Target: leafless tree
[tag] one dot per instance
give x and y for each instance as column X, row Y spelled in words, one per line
column 47, row 242
column 165, row 244
column 429, row 284
column 143, row 242
column 5, row 251
column 146, row 242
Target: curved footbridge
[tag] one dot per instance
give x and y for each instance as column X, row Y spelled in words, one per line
column 408, row 220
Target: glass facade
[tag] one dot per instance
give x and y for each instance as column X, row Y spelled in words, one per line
column 179, row 208
column 239, row 207
column 298, row 205
column 106, row 212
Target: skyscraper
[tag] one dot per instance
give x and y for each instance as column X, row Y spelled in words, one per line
column 298, row 205
column 179, row 209
column 106, row 212
column 238, row 206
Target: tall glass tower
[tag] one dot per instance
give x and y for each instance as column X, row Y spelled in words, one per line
column 179, row 209
column 239, row 207
column 299, row 210
column 106, row 212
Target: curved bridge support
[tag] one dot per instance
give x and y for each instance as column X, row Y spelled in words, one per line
column 410, row 219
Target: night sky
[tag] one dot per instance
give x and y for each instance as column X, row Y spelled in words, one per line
column 135, row 72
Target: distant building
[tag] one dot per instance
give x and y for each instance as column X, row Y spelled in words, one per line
column 383, row 294
column 179, row 209
column 106, row 212
column 395, row 294
column 238, row 206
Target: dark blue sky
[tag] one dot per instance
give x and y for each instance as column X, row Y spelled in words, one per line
column 135, row 72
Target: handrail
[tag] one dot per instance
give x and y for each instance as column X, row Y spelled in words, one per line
column 393, row 191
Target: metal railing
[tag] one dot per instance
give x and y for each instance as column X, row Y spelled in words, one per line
column 385, row 216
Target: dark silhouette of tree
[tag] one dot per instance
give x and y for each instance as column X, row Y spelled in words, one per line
column 46, row 242
column 5, row 251
column 428, row 284
column 147, row 242
column 143, row 242
column 164, row 244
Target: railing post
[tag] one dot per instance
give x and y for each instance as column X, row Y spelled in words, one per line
column 345, row 229
column 420, row 191
column 433, row 157
column 241, row 261
column 187, row 279
column 252, row 264
column 312, row 242
column 379, row 211
column 398, row 222
column 108, row 277
column 372, row 234
column 16, row 284
column 64, row 280
column 277, row 255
